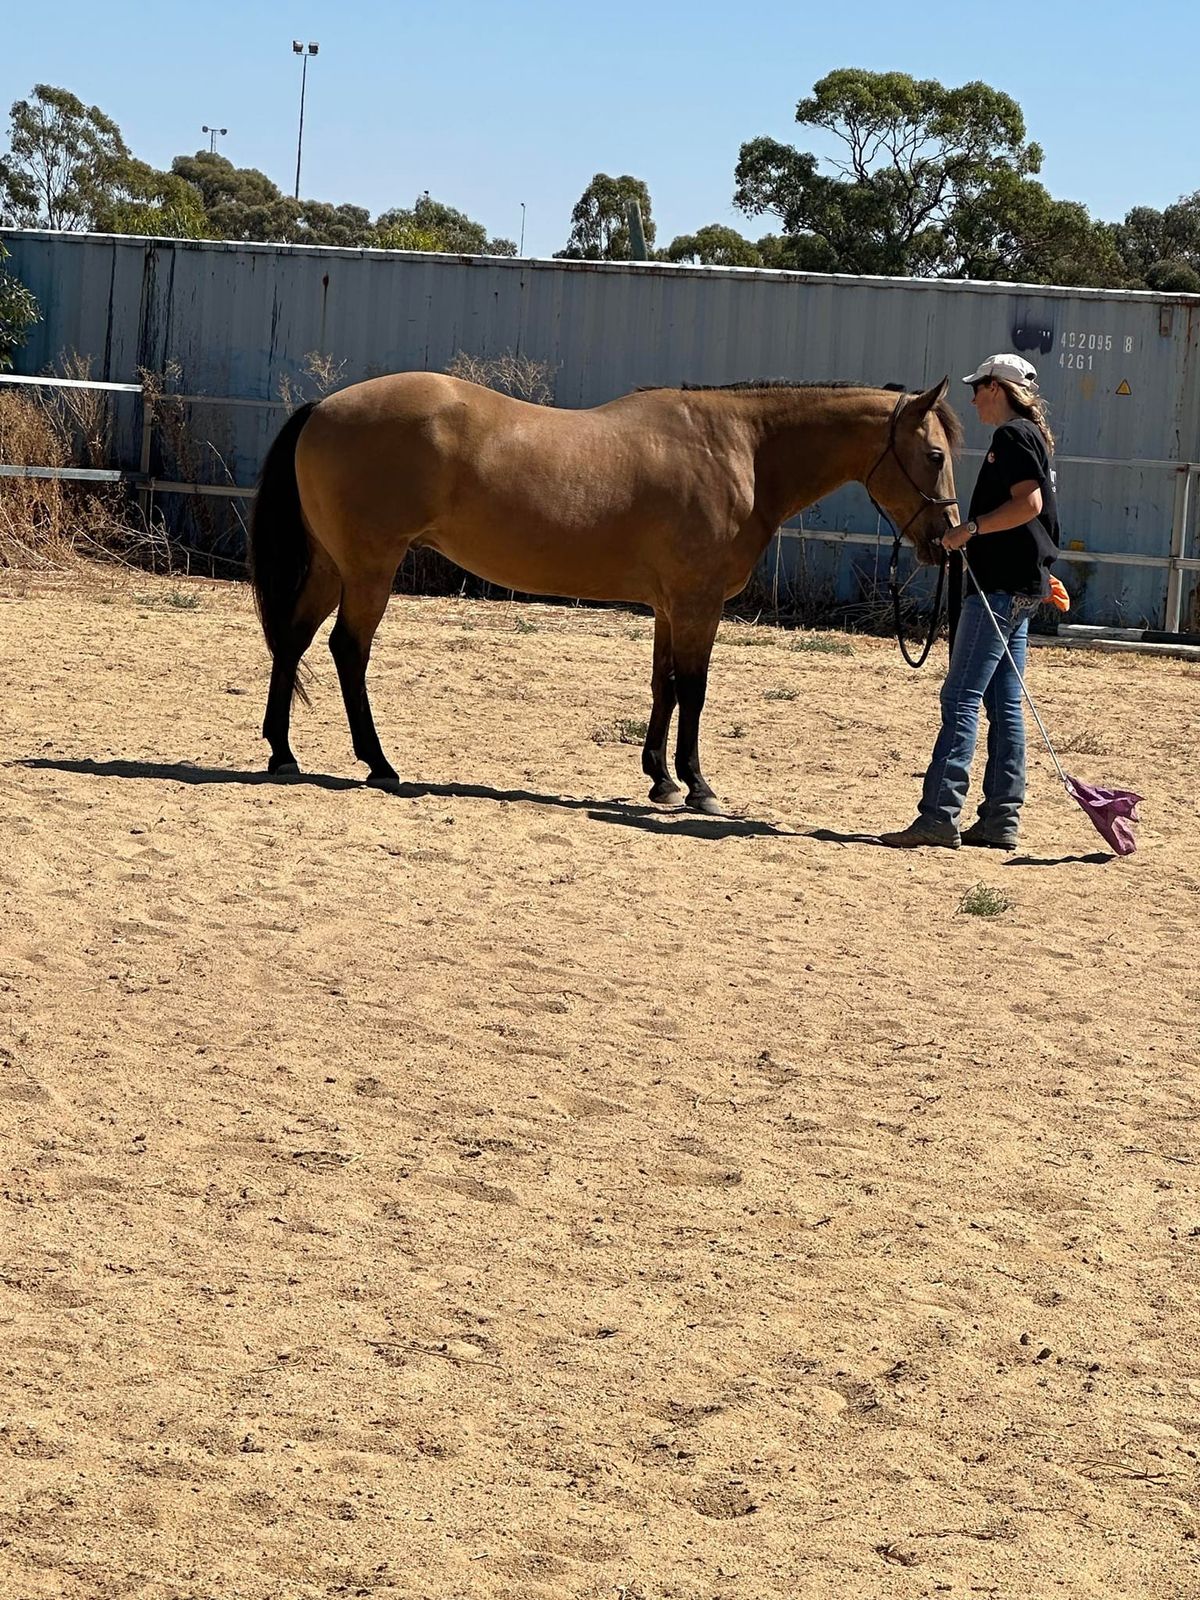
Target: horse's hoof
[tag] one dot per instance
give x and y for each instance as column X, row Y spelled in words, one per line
column 667, row 795
column 708, row 804
column 389, row 782
column 285, row 769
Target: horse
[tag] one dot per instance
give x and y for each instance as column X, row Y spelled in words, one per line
column 665, row 498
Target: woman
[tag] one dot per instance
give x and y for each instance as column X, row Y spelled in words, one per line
column 1009, row 540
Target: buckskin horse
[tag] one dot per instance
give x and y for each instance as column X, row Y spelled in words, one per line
column 665, row 497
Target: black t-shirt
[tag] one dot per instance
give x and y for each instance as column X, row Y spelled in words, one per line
column 1012, row 562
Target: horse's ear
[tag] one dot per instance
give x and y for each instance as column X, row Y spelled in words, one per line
column 924, row 403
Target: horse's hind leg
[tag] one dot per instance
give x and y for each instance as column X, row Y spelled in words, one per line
column 364, row 600
column 317, row 600
column 665, row 791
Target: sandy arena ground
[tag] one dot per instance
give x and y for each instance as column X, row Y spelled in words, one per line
column 503, row 1190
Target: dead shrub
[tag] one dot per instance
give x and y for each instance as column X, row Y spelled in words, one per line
column 55, row 522
column 519, row 376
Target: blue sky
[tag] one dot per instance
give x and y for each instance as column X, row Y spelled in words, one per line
column 491, row 105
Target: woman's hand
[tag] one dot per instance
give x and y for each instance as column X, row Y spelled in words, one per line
column 956, row 538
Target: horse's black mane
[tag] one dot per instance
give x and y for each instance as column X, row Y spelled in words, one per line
column 773, row 383
column 790, row 383
column 945, row 412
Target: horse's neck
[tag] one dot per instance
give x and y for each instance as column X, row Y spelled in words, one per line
column 812, row 441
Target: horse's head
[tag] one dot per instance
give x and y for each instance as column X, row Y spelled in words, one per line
column 913, row 478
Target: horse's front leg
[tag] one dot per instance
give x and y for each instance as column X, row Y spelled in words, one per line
column 692, row 633
column 664, row 791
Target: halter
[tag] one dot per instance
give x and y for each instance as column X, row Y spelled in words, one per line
column 889, row 449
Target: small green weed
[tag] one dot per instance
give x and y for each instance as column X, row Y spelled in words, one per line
column 525, row 626
column 822, row 644
column 1086, row 742
column 981, row 901
column 176, row 599
column 736, row 730
column 780, row 693
column 751, row 636
column 622, row 730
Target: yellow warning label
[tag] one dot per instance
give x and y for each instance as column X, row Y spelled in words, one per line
column 1123, row 387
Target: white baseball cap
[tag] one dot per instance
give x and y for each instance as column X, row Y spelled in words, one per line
column 1015, row 368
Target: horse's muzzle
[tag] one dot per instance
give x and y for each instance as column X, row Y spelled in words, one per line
column 927, row 551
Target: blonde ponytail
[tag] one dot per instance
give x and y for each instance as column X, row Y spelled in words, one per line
column 1027, row 402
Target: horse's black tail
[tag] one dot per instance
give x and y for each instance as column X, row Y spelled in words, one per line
column 279, row 554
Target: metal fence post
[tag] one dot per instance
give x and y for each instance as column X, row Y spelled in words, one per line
column 1179, row 532
column 144, row 495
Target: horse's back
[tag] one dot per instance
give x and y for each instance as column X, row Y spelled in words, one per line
column 418, row 400
column 597, row 503
column 430, row 432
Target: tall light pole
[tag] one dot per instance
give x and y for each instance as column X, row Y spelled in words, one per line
column 521, row 246
column 212, row 143
column 299, row 49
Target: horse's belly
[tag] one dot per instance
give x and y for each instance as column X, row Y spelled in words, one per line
column 584, row 568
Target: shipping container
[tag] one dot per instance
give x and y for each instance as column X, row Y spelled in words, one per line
column 234, row 322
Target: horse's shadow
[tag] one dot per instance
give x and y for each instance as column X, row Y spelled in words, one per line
column 626, row 813
column 687, row 824
column 182, row 772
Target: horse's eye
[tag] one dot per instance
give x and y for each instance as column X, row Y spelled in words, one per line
column 937, row 457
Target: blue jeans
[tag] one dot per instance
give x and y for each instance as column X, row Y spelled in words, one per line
column 979, row 671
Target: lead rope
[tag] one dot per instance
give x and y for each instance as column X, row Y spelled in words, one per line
column 954, row 596
column 894, row 586
column 1016, row 669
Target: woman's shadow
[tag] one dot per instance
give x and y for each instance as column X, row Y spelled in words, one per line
column 1093, row 858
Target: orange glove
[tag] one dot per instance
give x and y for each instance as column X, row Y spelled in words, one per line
column 1058, row 596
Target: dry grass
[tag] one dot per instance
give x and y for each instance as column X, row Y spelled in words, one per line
column 53, row 523
column 33, row 518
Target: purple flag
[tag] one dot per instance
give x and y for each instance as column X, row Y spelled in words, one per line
column 1108, row 809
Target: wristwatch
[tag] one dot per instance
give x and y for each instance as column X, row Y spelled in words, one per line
column 972, row 528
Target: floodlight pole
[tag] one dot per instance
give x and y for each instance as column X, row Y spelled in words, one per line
column 304, row 51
